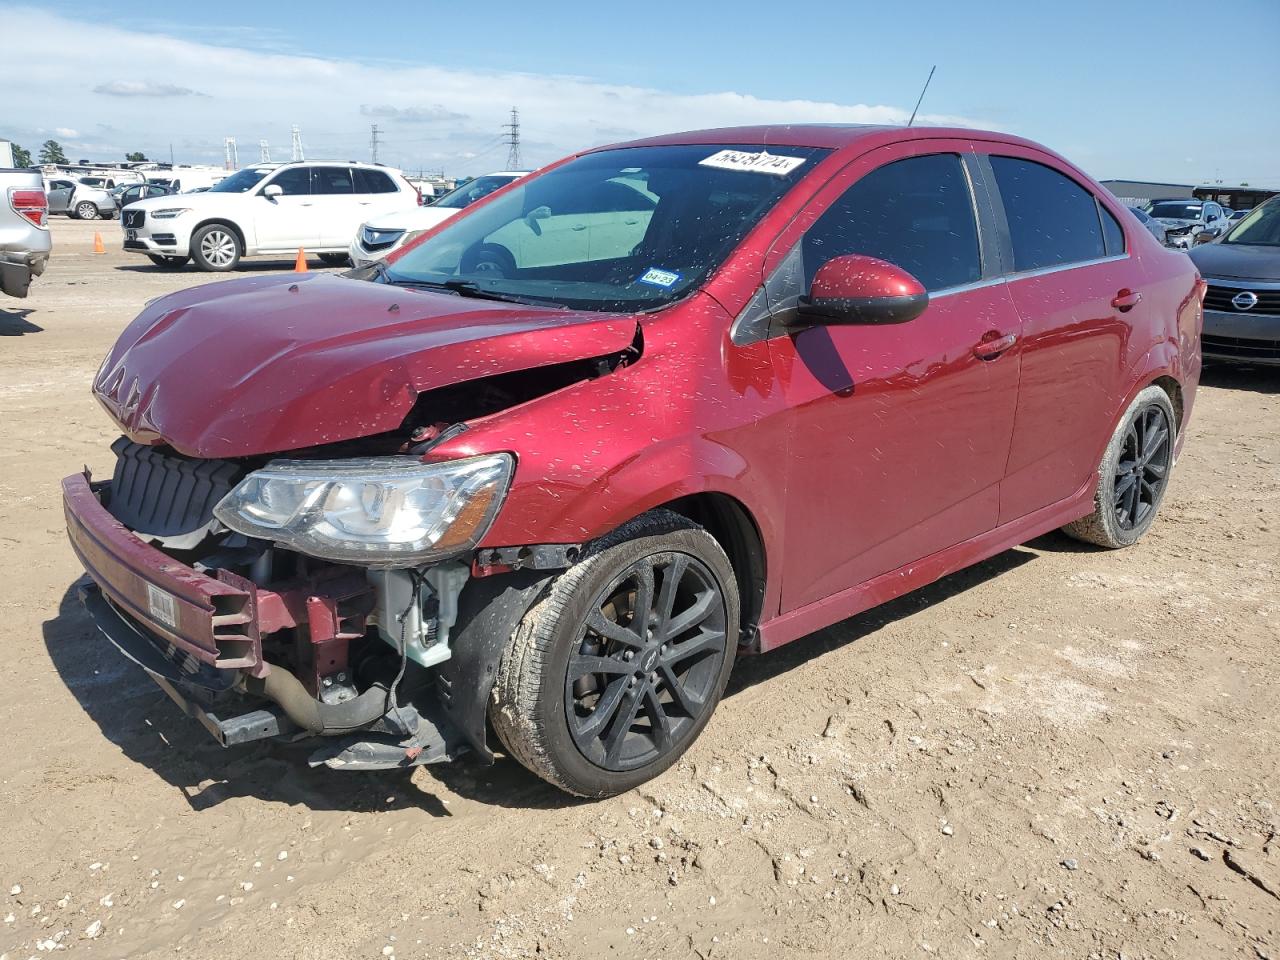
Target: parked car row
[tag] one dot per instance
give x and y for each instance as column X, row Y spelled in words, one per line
column 80, row 200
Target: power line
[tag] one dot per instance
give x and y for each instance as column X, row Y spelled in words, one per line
column 513, row 140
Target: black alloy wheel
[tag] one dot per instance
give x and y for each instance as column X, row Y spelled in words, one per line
column 648, row 661
column 1142, row 468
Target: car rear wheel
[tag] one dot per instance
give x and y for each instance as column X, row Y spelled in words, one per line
column 86, row 210
column 168, row 263
column 215, row 247
column 614, row 673
column 1133, row 475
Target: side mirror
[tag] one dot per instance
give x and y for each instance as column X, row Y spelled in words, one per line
column 272, row 190
column 859, row 289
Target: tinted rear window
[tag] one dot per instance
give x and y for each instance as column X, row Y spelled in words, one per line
column 1052, row 219
column 372, row 181
column 325, row 180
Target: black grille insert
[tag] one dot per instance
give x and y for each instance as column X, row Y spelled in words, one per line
column 1241, row 348
column 160, row 494
column 1219, row 298
column 133, row 218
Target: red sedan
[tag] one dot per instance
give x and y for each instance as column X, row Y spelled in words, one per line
column 549, row 469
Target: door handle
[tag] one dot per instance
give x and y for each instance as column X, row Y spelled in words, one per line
column 1126, row 300
column 989, row 349
column 579, row 227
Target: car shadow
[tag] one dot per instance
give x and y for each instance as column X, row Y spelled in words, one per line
column 14, row 323
column 314, row 265
column 134, row 715
column 1229, row 376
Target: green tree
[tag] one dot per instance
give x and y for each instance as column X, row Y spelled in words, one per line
column 136, row 157
column 21, row 157
column 51, row 152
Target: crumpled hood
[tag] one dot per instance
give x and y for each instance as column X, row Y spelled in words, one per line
column 1241, row 261
column 266, row 364
column 1176, row 223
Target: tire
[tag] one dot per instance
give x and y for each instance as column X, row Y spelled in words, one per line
column 1134, row 474
column 168, row 263
column 489, row 258
column 668, row 687
column 216, row 247
column 335, row 259
column 87, row 210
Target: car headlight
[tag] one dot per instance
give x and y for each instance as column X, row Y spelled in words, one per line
column 384, row 511
column 411, row 236
column 168, row 213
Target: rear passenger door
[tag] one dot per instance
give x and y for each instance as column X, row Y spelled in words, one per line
column 1078, row 293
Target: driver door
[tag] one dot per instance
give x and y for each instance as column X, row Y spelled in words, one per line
column 900, row 433
column 288, row 221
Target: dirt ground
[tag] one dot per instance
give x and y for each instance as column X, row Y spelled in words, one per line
column 1063, row 752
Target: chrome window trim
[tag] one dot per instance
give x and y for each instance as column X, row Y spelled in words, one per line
column 1060, row 267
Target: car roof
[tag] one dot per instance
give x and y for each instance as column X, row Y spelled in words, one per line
column 832, row 136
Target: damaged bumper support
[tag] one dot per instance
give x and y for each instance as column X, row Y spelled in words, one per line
column 200, row 638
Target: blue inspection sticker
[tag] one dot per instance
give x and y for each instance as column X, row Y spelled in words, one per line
column 660, row 278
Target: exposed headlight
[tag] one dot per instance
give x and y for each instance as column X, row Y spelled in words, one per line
column 168, row 213
column 385, row 511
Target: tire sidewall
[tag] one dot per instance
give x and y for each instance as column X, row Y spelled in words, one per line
column 1148, row 397
column 576, row 772
column 198, row 257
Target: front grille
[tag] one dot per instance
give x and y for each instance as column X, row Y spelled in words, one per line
column 134, row 245
column 134, row 218
column 165, row 239
column 164, row 495
column 379, row 239
column 1240, row 348
column 1219, row 298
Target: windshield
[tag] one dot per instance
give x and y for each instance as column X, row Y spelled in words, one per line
column 1139, row 214
column 471, row 191
column 1176, row 210
column 1262, row 227
column 627, row 229
column 242, row 181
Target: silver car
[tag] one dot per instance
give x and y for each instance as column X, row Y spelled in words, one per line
column 1155, row 227
column 1190, row 222
column 80, row 201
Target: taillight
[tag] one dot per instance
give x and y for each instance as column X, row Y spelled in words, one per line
column 32, row 204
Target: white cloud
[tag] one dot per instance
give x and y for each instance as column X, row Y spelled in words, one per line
column 66, row 132
column 68, row 71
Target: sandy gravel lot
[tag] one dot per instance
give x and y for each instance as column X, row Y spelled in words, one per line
column 1061, row 753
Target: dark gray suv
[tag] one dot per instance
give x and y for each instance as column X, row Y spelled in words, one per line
column 1242, row 307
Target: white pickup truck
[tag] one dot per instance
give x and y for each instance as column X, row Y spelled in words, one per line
column 24, row 229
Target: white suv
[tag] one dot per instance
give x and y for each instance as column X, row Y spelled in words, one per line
column 379, row 236
column 266, row 208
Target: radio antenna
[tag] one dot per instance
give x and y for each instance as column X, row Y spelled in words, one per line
column 921, row 97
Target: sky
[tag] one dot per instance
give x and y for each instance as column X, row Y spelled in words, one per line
column 1164, row 90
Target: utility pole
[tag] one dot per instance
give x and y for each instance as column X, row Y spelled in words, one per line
column 232, row 159
column 373, row 142
column 171, row 154
column 513, row 140
column 264, row 152
column 298, row 153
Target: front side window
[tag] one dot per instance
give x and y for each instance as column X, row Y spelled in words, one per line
column 1052, row 219
column 915, row 213
column 627, row 229
column 294, row 182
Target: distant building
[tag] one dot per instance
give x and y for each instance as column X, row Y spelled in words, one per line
column 1236, row 198
column 1135, row 193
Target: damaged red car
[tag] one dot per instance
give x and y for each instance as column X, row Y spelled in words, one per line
column 536, row 481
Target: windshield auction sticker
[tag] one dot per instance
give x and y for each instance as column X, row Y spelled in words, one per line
column 763, row 162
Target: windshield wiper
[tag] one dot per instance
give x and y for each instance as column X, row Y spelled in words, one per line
column 469, row 288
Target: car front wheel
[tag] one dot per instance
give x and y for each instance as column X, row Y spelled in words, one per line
column 1133, row 475
column 215, row 247
column 613, row 674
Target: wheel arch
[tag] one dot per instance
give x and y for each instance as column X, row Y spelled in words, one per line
column 223, row 221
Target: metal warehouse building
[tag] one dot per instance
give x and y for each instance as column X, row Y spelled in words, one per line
column 1142, row 190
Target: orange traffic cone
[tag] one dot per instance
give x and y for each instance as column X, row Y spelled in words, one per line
column 97, row 244
column 300, row 265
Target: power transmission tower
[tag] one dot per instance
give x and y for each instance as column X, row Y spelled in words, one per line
column 298, row 153
column 373, row 142
column 264, row 152
column 513, row 140
column 232, row 157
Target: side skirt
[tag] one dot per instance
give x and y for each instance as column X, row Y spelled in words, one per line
column 847, row 603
